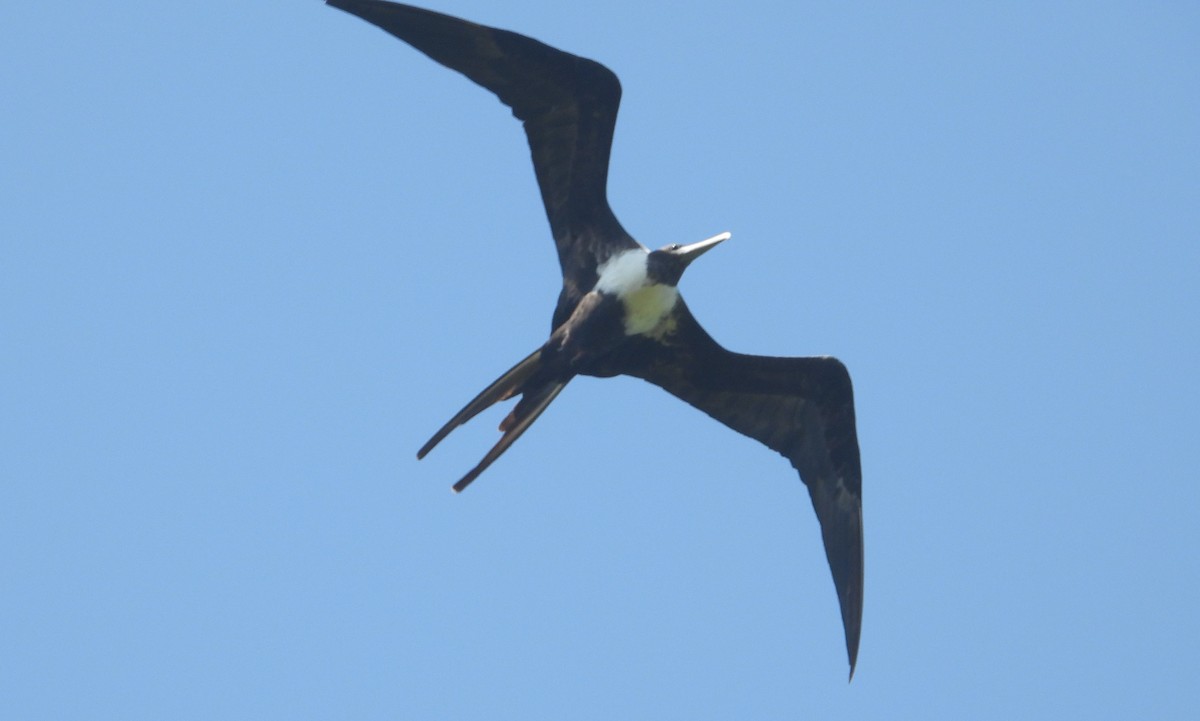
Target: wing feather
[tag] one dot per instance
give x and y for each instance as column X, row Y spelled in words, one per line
column 802, row 408
column 569, row 108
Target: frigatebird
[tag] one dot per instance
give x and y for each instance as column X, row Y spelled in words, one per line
column 620, row 311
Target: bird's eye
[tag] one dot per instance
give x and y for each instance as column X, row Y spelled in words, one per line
column 674, row 246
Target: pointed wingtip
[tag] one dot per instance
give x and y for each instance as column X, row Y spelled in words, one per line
column 853, row 630
column 852, row 652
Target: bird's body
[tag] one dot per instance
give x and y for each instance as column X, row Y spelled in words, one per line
column 620, row 310
column 645, row 303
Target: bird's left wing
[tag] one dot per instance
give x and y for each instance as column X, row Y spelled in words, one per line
column 801, row 407
column 569, row 108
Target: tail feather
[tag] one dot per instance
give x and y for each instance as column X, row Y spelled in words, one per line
column 504, row 387
column 534, row 400
column 523, row 416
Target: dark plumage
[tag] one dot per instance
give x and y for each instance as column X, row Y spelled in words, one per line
column 619, row 311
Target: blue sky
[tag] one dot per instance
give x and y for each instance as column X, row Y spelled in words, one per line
column 253, row 254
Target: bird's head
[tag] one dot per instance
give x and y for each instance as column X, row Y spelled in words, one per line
column 666, row 265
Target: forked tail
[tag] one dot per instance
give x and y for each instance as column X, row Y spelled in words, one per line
column 534, row 400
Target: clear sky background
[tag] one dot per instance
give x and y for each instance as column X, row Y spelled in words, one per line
column 253, row 253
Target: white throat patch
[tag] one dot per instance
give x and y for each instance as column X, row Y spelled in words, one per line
column 646, row 304
column 622, row 273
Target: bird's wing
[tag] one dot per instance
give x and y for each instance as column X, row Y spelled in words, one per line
column 801, row 407
column 568, row 105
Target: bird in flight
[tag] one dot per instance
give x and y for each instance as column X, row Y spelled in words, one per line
column 620, row 311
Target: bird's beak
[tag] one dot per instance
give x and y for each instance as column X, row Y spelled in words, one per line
column 691, row 252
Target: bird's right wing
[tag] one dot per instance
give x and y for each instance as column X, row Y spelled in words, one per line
column 801, row 407
column 569, row 108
